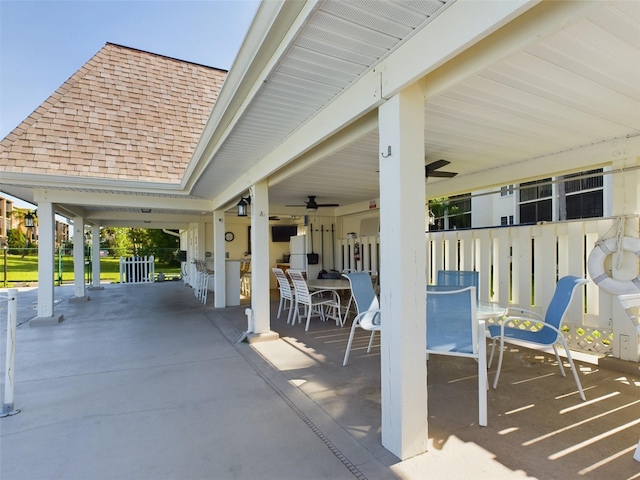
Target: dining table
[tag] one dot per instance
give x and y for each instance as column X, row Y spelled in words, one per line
column 339, row 285
column 486, row 311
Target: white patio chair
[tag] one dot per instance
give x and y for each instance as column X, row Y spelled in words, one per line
column 315, row 302
column 453, row 329
column 287, row 295
column 367, row 306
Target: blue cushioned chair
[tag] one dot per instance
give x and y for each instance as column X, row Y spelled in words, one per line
column 549, row 335
column 367, row 306
column 453, row 329
column 458, row 278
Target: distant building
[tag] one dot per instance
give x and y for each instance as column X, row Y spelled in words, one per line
column 11, row 218
column 581, row 195
column 6, row 219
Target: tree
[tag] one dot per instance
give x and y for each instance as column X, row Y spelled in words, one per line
column 165, row 246
column 16, row 238
column 116, row 240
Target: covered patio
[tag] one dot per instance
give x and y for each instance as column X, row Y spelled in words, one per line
column 348, row 102
column 146, row 382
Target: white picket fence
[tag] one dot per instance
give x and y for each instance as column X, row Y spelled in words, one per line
column 518, row 266
column 137, row 269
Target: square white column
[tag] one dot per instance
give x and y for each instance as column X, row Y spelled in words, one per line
column 403, row 273
column 95, row 255
column 46, row 256
column 219, row 265
column 260, row 262
column 78, row 257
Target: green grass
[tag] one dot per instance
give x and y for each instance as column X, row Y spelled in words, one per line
column 25, row 270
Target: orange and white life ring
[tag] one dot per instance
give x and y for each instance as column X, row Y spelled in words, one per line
column 596, row 266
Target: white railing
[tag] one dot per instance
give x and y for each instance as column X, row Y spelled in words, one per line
column 137, row 269
column 9, row 380
column 519, row 267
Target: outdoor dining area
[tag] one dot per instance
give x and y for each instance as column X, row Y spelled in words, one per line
column 534, row 408
column 458, row 323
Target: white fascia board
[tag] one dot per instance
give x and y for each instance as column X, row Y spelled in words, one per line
column 120, row 200
column 31, row 180
column 577, row 159
column 274, row 28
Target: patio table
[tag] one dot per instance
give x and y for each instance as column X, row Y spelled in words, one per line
column 336, row 284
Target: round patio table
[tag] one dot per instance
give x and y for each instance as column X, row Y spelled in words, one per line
column 336, row 284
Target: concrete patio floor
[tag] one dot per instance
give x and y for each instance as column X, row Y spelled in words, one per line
column 144, row 382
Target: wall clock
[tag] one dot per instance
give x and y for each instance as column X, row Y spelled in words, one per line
column 229, row 236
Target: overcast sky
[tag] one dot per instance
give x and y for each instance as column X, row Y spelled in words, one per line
column 43, row 43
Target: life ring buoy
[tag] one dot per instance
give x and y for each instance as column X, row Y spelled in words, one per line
column 596, row 266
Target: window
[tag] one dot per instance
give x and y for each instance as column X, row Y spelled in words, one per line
column 506, row 191
column 451, row 213
column 583, row 196
column 506, row 220
column 535, row 201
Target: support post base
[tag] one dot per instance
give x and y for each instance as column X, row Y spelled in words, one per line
column 79, row 299
column 262, row 337
column 41, row 321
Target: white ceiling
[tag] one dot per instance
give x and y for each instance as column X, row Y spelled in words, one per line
column 570, row 90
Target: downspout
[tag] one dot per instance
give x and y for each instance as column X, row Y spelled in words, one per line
column 169, row 232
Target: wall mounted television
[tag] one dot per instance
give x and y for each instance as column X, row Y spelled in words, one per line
column 282, row 233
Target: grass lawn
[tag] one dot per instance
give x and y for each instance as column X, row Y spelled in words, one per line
column 25, row 270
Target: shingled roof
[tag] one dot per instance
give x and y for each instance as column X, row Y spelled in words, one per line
column 126, row 115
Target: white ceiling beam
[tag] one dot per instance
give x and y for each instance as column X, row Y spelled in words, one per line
column 337, row 142
column 100, row 215
column 541, row 21
column 573, row 160
column 152, row 225
column 458, row 27
column 121, row 200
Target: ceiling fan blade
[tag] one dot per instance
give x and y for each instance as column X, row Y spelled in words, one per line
column 431, row 169
column 437, row 164
column 327, row 205
column 442, row 174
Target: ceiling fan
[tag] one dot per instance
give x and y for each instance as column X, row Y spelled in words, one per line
column 312, row 206
column 431, row 169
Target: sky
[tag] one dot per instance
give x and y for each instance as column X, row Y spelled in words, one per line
column 43, row 43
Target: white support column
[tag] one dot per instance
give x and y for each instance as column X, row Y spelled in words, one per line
column 260, row 264
column 95, row 258
column 403, row 274
column 78, row 260
column 219, row 260
column 46, row 263
column 625, row 203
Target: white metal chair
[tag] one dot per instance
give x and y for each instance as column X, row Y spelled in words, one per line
column 314, row 302
column 453, row 329
column 245, row 278
column 287, row 296
column 368, row 308
column 549, row 335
